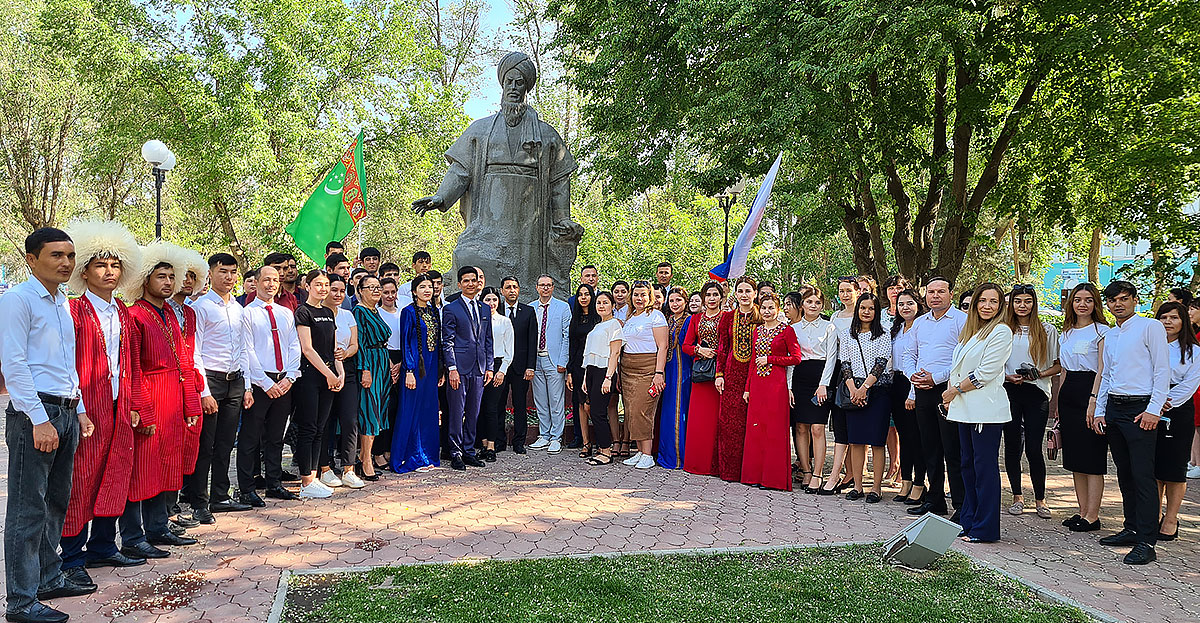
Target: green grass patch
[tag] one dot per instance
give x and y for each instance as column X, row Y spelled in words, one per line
column 812, row 585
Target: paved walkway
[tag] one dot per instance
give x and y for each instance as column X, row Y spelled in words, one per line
column 546, row 505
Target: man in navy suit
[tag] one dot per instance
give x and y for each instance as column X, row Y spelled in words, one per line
column 468, row 355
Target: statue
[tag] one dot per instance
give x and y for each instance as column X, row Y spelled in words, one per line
column 510, row 173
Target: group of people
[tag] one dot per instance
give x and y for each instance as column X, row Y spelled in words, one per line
column 125, row 410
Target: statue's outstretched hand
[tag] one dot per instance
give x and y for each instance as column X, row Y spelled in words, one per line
column 428, row 204
column 569, row 229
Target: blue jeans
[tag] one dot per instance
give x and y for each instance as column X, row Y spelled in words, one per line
column 145, row 518
column 39, row 488
column 97, row 540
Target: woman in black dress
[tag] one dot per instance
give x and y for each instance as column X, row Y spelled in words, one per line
column 583, row 319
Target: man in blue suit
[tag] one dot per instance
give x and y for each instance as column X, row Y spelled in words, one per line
column 468, row 355
column 553, row 320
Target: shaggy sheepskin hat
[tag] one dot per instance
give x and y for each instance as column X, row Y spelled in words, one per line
column 95, row 239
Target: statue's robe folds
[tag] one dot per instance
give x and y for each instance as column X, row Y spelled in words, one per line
column 512, row 184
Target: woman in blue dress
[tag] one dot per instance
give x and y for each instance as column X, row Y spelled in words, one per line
column 415, row 440
column 677, row 393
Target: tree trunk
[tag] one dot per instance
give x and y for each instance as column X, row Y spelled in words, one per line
column 235, row 247
column 1093, row 265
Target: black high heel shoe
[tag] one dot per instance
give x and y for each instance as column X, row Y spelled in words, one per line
column 842, row 486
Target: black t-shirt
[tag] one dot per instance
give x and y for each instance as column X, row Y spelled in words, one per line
column 323, row 327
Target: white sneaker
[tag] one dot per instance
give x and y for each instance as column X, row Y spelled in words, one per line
column 646, row 462
column 633, row 460
column 555, row 447
column 330, row 479
column 315, row 490
column 1194, row 472
column 541, row 442
column 350, row 479
column 323, row 485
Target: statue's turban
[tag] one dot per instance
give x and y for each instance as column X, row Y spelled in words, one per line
column 520, row 62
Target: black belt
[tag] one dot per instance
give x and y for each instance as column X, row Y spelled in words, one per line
column 51, row 399
column 1122, row 398
column 228, row 376
column 276, row 376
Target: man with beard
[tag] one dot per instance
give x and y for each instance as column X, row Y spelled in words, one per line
column 110, row 376
column 170, row 384
column 510, row 173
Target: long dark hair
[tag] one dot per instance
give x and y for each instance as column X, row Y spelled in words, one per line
column 582, row 314
column 876, row 327
column 897, row 321
column 1070, row 318
column 1187, row 335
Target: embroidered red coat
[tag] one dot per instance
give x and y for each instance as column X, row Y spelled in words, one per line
column 191, row 436
column 169, row 382
column 104, row 461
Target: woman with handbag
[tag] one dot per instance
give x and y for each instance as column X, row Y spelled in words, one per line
column 673, row 413
column 1084, row 452
column 810, row 380
column 767, row 459
column 865, row 351
column 1027, row 374
column 700, row 343
column 975, row 398
column 1176, row 427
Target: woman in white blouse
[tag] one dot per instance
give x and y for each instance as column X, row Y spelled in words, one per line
column 1031, row 365
column 904, row 414
column 643, row 377
column 1084, row 452
column 976, row 400
column 810, row 380
column 503, row 347
column 1176, row 427
column 601, row 351
column 865, row 351
column 847, row 293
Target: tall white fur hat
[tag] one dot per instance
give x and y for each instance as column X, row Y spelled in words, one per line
column 153, row 254
column 193, row 261
column 103, row 239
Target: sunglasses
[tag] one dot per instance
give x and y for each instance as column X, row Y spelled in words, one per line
column 641, row 282
column 1023, row 288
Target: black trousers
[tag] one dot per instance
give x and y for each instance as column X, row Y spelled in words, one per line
column 943, row 453
column 1133, row 452
column 342, row 431
column 516, row 386
column 217, row 436
column 598, row 405
column 314, row 402
column 912, row 458
column 262, row 434
column 1030, row 409
column 578, row 399
column 491, row 412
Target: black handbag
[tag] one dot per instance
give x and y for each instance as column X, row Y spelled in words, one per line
column 704, row 370
column 841, row 398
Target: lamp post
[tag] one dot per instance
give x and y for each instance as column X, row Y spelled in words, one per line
column 726, row 199
column 162, row 159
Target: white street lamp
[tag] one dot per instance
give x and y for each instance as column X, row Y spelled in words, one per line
column 162, row 159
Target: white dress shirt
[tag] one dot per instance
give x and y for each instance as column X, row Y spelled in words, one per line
column 260, row 351
column 404, row 296
column 504, row 340
column 1185, row 374
column 222, row 348
column 1136, row 363
column 899, row 343
column 110, row 326
column 37, row 348
column 197, row 361
column 395, row 341
column 1079, row 349
column 1021, row 354
column 344, row 321
column 932, row 345
column 818, row 340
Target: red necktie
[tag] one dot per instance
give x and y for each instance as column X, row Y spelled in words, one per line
column 275, row 340
column 542, row 334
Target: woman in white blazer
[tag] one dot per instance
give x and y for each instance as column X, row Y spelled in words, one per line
column 977, row 401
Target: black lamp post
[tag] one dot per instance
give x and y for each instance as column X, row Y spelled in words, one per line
column 726, row 200
column 163, row 160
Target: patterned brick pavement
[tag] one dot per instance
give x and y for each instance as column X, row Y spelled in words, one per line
column 541, row 505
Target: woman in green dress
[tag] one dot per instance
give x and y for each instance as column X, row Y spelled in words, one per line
column 375, row 371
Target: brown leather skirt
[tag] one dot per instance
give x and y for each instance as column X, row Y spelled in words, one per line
column 637, row 375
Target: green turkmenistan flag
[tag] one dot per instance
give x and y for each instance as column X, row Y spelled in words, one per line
column 334, row 207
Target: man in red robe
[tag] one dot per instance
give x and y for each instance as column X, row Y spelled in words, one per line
column 109, row 373
column 194, row 269
column 169, row 383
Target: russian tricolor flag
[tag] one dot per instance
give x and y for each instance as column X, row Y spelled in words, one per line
column 735, row 264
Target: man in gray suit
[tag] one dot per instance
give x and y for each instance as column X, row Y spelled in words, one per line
column 553, row 319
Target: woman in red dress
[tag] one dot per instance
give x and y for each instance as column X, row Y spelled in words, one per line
column 733, row 366
column 700, row 455
column 768, row 458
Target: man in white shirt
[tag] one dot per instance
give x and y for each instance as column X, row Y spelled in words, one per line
column 220, row 339
column 1133, row 389
column 930, row 353
column 273, row 357
column 421, row 263
column 553, row 320
column 44, row 422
